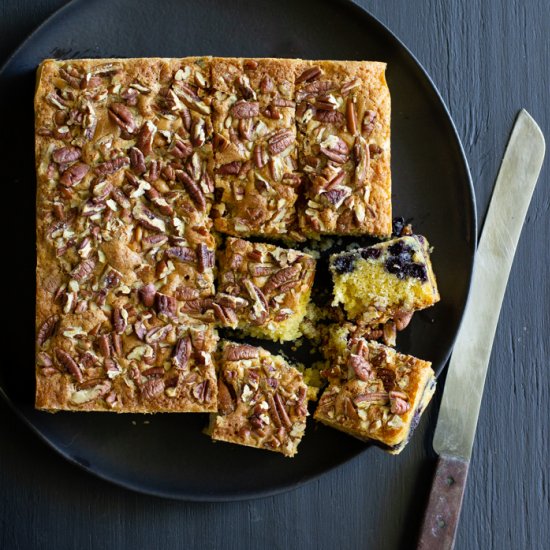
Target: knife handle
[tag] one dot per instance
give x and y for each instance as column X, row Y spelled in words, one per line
column 443, row 510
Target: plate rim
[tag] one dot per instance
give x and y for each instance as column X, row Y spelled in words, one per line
column 288, row 486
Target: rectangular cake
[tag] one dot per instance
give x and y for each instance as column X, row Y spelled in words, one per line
column 375, row 393
column 263, row 289
column 255, row 147
column 389, row 280
column 262, row 400
column 343, row 122
column 125, row 256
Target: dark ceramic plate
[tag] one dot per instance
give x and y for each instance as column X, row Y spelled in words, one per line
column 168, row 455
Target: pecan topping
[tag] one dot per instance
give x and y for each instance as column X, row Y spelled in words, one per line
column 219, row 143
column 158, row 334
column 111, row 166
column 69, row 363
column 336, row 149
column 205, row 258
column 376, row 397
column 402, row 319
column 309, row 74
column 120, row 198
column 145, row 137
column 388, row 378
column 361, row 367
column 202, row 392
column 330, row 117
column 181, row 149
column 181, row 254
column 47, row 329
column 119, row 320
column 147, row 294
column 349, row 410
column 137, row 161
column 351, row 117
column 231, row 168
column 362, row 158
column 165, row 304
column 225, row 315
column 245, row 109
column 147, row 219
column 74, row 174
column 182, row 353
column 226, row 404
column 280, row 278
column 122, row 117
column 281, row 410
column 398, row 405
column 66, row 155
column 152, row 388
column 83, row 270
column 240, row 351
column 193, row 189
column 368, row 123
column 279, row 141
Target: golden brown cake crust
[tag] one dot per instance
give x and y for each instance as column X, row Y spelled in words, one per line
column 343, row 121
column 124, row 170
column 375, row 393
column 262, row 400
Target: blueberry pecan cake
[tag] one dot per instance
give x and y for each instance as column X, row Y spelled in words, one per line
column 255, row 147
column 262, row 400
column 125, row 256
column 375, row 393
column 343, row 122
column 263, row 289
column 389, row 280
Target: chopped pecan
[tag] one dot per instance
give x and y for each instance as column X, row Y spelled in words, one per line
column 220, row 143
column 137, row 161
column 66, row 155
column 181, row 254
column 367, row 126
column 309, row 75
column 362, row 157
column 165, row 305
column 182, row 353
column 398, row 403
column 282, row 277
column 236, row 352
column 375, row 397
column 147, row 219
column 202, row 391
column 158, row 334
column 402, row 319
column 226, row 404
column 147, row 294
column 361, row 367
column 388, row 378
column 351, row 117
column 336, row 149
column 119, row 320
column 145, row 137
column 122, row 117
column 281, row 409
column 74, row 174
column 152, row 388
column 349, row 409
column 231, row 168
column 111, row 166
column 69, row 363
column 47, row 329
column 244, row 109
column 83, row 270
column 280, row 140
column 193, row 189
column 153, row 372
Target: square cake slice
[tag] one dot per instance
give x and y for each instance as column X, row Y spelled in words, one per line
column 263, row 289
column 255, row 147
column 343, row 121
column 375, row 393
column 389, row 280
column 262, row 400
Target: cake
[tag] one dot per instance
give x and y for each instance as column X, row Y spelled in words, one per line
column 262, row 400
column 263, row 289
column 375, row 393
column 389, row 280
column 343, row 122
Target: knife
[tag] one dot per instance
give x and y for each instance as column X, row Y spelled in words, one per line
column 459, row 411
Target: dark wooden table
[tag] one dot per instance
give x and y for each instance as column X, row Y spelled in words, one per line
column 489, row 58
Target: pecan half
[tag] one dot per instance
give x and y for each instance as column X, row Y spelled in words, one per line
column 280, row 278
column 236, row 352
column 388, row 378
column 202, row 392
column 165, row 305
column 83, row 270
column 193, row 189
column 69, row 363
column 205, row 258
column 280, row 140
column 74, row 174
column 231, row 168
column 137, row 161
column 47, row 329
column 362, row 157
column 226, row 404
column 402, row 319
column 111, row 166
column 309, row 74
column 361, row 367
column 244, row 109
column 122, row 117
column 181, row 254
column 66, row 155
column 158, row 334
column 181, row 149
column 147, row 294
column 152, row 388
column 119, row 320
column 330, row 117
column 145, row 137
column 398, row 403
column 182, row 353
column 351, row 117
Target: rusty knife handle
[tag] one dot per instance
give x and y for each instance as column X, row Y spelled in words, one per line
column 443, row 511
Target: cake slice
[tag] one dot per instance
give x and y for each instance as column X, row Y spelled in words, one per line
column 375, row 393
column 255, row 147
column 262, row 400
column 263, row 289
column 389, row 280
column 343, row 121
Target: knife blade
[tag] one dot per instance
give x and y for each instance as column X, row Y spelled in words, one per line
column 463, row 391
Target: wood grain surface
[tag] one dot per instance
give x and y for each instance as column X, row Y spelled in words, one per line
column 489, row 59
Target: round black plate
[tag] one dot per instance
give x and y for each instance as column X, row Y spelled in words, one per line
column 168, row 455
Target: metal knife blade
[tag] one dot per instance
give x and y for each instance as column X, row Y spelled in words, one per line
column 457, row 421
column 519, row 171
